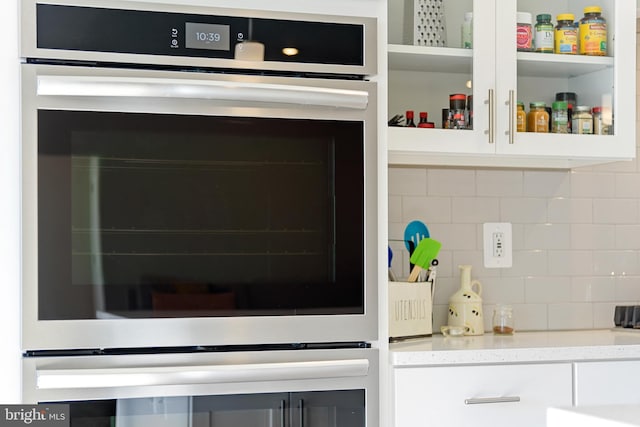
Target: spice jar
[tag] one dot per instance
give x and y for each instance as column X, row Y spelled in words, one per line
column 559, row 117
column 543, row 34
column 566, row 35
column 524, row 33
column 521, row 118
column 538, row 118
column 582, row 121
column 572, row 99
column 503, row 320
column 457, row 105
column 593, row 32
column 599, row 126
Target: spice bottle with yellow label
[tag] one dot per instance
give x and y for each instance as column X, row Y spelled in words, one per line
column 521, row 118
column 538, row 118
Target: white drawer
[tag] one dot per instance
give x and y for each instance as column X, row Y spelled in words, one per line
column 495, row 395
column 607, row 383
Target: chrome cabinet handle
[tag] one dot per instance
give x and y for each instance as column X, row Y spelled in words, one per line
column 491, row 116
column 485, row 400
column 512, row 113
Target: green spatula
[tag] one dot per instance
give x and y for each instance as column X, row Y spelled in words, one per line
column 426, row 251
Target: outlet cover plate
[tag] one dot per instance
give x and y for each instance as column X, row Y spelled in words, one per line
column 489, row 232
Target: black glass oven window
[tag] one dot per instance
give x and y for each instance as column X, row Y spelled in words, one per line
column 340, row 408
column 145, row 215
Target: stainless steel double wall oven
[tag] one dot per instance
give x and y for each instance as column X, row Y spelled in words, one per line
column 199, row 213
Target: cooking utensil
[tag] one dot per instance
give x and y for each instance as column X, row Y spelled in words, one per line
column 392, row 275
column 414, row 232
column 426, row 251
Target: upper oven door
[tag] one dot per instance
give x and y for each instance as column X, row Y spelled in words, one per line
column 173, row 209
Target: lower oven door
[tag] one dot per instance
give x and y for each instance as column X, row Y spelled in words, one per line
column 312, row 388
column 166, row 208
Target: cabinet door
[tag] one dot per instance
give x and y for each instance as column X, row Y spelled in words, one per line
column 606, row 81
column 422, row 76
column 607, row 383
column 498, row 395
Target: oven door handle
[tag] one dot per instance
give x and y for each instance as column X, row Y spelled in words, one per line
column 139, row 87
column 206, row 374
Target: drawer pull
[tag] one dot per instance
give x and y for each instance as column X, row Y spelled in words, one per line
column 483, row 400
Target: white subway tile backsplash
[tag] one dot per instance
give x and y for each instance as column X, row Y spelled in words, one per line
column 592, row 185
column 407, row 181
column 530, row 317
column 627, row 236
column 527, row 263
column 593, row 289
column 615, row 211
column 426, row 209
column 570, row 210
column 547, row 290
column 570, row 316
column 475, row 210
column 395, row 208
column 571, row 263
column 523, row 210
column 627, row 185
column 452, row 182
column 603, row 315
column 576, row 238
column 547, row 236
column 547, row 184
column 616, row 263
column 627, row 289
column 497, row 290
column 459, row 237
column 499, row 183
column 593, row 236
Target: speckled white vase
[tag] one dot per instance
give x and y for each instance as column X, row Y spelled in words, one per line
column 465, row 306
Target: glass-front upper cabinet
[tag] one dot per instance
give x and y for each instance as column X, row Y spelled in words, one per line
column 524, row 83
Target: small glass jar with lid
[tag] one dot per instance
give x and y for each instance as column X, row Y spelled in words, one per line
column 538, row 118
column 582, row 120
column 503, row 320
column 559, row 117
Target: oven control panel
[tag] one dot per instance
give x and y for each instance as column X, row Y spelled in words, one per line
column 188, row 35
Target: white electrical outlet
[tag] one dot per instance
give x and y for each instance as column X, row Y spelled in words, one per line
column 497, row 245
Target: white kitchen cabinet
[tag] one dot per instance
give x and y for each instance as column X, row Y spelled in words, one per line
column 487, row 395
column 422, row 77
column 607, row 383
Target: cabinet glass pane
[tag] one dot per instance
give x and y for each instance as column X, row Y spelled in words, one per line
column 339, row 408
column 426, row 36
column 589, row 79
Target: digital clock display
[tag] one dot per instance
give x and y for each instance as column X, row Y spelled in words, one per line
column 207, row 36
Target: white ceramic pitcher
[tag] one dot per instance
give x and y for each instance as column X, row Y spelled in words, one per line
column 465, row 306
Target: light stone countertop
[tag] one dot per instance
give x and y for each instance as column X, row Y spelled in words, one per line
column 521, row 347
column 595, row 416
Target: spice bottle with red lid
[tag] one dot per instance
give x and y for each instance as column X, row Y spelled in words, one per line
column 409, row 117
column 424, row 123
